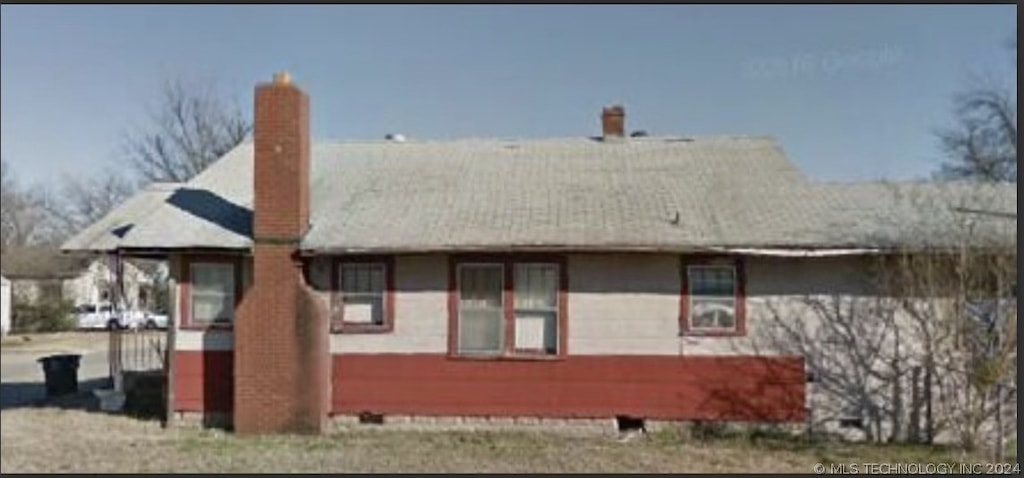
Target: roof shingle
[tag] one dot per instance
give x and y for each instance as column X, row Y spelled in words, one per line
column 653, row 193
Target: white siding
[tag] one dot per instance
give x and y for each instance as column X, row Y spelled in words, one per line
column 619, row 304
column 781, row 283
column 624, row 304
column 197, row 340
column 421, row 309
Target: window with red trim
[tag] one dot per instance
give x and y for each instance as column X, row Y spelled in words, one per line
column 363, row 295
column 713, row 298
column 508, row 308
column 536, row 308
column 211, row 290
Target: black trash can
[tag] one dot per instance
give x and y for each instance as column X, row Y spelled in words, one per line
column 61, row 373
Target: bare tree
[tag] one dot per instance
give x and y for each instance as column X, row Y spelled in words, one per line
column 848, row 344
column 927, row 347
column 190, row 128
column 79, row 202
column 21, row 214
column 983, row 144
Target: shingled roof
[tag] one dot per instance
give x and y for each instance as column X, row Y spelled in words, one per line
column 651, row 193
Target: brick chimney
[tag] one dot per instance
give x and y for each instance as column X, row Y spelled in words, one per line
column 613, row 122
column 282, row 352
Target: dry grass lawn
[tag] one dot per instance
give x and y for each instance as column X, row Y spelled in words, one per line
column 52, row 440
column 50, row 342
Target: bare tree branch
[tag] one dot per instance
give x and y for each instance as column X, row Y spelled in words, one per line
column 189, row 130
column 80, row 202
column 983, row 143
column 21, row 215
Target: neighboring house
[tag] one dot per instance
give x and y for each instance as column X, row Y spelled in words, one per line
column 45, row 273
column 576, row 278
column 5, row 306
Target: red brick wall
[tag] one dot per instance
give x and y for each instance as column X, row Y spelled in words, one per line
column 281, row 347
column 613, row 121
column 281, row 137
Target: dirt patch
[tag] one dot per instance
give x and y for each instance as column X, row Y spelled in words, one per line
column 48, row 440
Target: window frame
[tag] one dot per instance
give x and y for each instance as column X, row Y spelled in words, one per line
column 557, row 310
column 504, row 305
column 186, row 302
column 508, row 264
column 686, row 328
column 338, row 324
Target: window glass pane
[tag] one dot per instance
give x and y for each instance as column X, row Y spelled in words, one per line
column 376, row 279
column 348, row 279
column 213, row 292
column 362, row 278
column 713, row 313
column 537, row 331
column 213, row 278
column 481, row 331
column 536, row 286
column 481, row 315
column 480, row 287
column 712, row 281
column 212, row 308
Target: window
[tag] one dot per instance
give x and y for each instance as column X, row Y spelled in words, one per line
column 508, row 308
column 536, row 311
column 362, row 293
column 363, row 300
column 212, row 287
column 481, row 309
column 713, row 298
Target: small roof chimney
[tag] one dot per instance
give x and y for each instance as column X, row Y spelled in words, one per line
column 613, row 122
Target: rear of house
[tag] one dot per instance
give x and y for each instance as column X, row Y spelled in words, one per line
column 525, row 335
column 557, row 279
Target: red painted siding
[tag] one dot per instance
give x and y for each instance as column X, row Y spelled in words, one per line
column 668, row 388
column 203, row 381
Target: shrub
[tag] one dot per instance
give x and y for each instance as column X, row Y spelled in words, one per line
column 46, row 316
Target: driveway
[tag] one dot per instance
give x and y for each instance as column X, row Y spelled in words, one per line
column 21, row 375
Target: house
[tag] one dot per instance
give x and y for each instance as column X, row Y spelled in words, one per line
column 39, row 273
column 5, row 306
column 579, row 278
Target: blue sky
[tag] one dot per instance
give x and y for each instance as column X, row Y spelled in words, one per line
column 852, row 92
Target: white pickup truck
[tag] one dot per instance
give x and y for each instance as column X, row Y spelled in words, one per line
column 94, row 317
